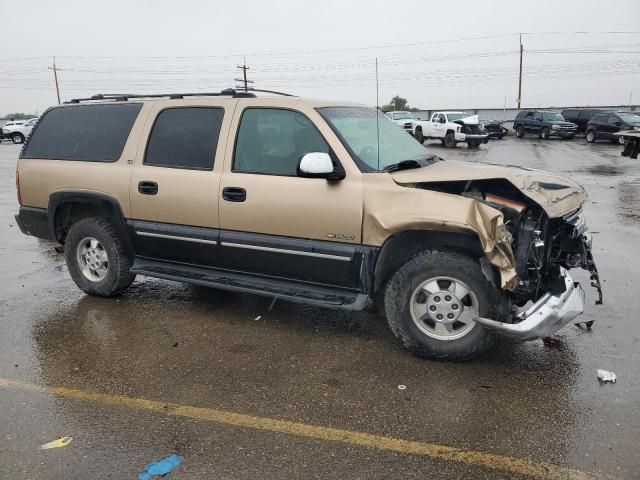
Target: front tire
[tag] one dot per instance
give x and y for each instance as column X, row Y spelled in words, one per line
column 520, row 132
column 450, row 140
column 96, row 258
column 430, row 303
column 419, row 136
column 591, row 136
column 17, row 138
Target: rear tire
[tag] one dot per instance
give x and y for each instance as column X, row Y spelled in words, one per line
column 17, row 138
column 450, row 140
column 591, row 136
column 419, row 136
column 520, row 132
column 412, row 289
column 96, row 258
column 473, row 145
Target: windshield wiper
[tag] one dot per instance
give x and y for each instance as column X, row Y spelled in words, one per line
column 403, row 165
column 407, row 164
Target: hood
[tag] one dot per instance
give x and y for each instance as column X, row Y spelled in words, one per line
column 472, row 120
column 556, row 194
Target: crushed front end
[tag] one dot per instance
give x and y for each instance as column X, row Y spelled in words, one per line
column 545, row 297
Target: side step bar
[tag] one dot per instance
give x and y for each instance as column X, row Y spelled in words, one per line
column 239, row 282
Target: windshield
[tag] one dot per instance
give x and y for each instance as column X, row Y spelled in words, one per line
column 402, row 116
column 631, row 118
column 552, row 117
column 357, row 128
column 457, row 116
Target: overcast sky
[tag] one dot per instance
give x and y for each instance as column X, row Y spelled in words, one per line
column 325, row 49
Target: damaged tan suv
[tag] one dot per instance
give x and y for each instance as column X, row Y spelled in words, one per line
column 318, row 202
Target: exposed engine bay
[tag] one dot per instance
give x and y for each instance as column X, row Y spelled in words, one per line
column 542, row 246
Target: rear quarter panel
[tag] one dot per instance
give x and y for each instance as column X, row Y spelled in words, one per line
column 39, row 178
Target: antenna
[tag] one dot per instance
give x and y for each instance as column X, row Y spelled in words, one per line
column 377, row 113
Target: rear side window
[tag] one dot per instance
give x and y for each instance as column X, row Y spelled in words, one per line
column 185, row 137
column 92, row 133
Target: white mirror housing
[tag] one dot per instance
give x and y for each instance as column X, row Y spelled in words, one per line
column 319, row 165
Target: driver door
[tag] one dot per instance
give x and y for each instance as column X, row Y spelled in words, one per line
column 275, row 223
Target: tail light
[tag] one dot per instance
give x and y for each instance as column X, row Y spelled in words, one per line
column 18, row 188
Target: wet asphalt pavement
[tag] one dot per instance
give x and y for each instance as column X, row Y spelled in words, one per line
column 192, row 346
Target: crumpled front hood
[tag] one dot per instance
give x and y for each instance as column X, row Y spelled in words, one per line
column 556, row 194
column 472, row 120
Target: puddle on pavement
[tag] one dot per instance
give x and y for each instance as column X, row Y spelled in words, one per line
column 606, row 170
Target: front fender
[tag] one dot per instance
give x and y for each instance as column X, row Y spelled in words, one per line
column 390, row 208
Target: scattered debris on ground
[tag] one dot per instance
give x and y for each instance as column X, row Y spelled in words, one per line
column 161, row 467
column 605, row 376
column 60, row 442
column 402, row 387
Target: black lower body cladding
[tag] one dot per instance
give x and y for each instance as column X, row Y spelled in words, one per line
column 34, row 221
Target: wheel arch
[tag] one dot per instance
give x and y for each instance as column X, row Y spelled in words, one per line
column 66, row 207
column 401, row 246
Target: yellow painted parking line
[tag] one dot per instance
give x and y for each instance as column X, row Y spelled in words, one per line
column 517, row 466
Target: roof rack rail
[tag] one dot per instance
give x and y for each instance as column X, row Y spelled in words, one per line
column 123, row 97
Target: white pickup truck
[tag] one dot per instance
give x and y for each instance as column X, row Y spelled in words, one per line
column 451, row 128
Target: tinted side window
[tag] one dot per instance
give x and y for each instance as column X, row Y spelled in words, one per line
column 598, row 118
column 272, row 141
column 93, row 133
column 185, row 137
column 613, row 119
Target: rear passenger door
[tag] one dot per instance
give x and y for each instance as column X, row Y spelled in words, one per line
column 276, row 223
column 175, row 183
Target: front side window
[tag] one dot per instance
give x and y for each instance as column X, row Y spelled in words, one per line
column 272, row 141
column 361, row 131
column 92, row 133
column 185, row 137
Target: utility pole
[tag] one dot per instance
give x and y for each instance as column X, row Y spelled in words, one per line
column 244, row 80
column 55, row 77
column 520, row 76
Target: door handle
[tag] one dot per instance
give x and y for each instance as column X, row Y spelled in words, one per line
column 148, row 188
column 234, row 194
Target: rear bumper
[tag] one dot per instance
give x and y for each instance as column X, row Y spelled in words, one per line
column 546, row 316
column 34, row 221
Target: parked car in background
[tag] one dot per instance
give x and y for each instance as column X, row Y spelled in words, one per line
column 451, row 128
column 404, row 119
column 18, row 130
column 495, row 129
column 544, row 124
column 605, row 125
column 581, row 116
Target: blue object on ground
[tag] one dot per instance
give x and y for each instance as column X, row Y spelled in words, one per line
column 161, row 467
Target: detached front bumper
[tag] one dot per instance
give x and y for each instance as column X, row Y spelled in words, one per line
column 471, row 137
column 546, row 316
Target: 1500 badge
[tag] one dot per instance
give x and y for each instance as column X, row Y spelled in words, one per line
column 340, row 236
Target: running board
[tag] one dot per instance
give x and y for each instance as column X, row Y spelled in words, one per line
column 240, row 282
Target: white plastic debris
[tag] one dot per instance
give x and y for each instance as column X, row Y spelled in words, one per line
column 402, row 387
column 60, row 442
column 605, row 376
column 258, row 318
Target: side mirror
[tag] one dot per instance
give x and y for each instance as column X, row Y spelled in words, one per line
column 319, row 165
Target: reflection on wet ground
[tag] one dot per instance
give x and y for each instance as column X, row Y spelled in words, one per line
column 176, row 343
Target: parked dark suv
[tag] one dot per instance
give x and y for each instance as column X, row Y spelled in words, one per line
column 581, row 116
column 604, row 125
column 545, row 124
